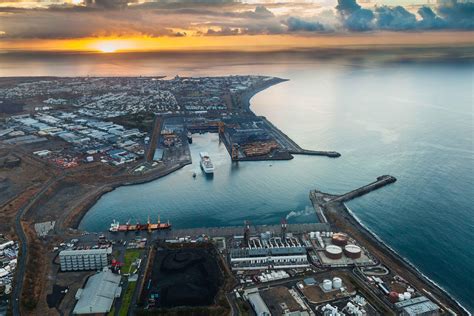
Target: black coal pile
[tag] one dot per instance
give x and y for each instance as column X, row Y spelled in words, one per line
column 183, row 277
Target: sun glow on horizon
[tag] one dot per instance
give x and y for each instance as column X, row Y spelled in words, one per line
column 112, row 45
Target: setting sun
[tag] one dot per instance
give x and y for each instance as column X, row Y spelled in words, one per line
column 112, row 46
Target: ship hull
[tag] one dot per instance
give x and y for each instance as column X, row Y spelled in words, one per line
column 207, row 170
column 140, row 227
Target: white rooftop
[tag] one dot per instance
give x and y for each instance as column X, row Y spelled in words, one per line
column 99, row 293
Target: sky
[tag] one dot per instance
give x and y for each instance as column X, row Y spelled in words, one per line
column 141, row 25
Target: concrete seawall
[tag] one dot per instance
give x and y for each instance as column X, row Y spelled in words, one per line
column 320, row 199
column 381, row 182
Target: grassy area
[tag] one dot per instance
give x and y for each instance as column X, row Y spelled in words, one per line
column 130, row 256
column 127, row 298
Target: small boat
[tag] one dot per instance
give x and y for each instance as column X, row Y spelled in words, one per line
column 190, row 138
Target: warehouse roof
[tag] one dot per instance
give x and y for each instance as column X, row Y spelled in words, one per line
column 257, row 303
column 259, row 252
column 99, row 293
column 83, row 252
column 417, row 306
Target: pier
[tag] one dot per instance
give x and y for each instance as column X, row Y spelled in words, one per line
column 320, row 199
column 292, row 147
column 381, row 182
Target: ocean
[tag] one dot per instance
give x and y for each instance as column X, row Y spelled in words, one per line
column 409, row 119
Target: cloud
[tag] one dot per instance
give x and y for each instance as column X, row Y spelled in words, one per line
column 296, row 24
column 429, row 19
column 458, row 15
column 261, row 11
column 347, row 7
column 397, row 18
column 220, row 17
column 223, row 31
column 355, row 18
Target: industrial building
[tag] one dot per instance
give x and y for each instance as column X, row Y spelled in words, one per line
column 87, row 259
column 337, row 250
column 99, row 293
column 269, row 253
column 418, row 306
column 257, row 303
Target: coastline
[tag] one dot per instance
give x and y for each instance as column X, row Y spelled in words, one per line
column 340, row 217
column 74, row 218
column 405, row 261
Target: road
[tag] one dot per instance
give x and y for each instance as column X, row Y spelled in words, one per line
column 21, row 264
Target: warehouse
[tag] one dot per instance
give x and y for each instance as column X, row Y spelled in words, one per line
column 99, row 293
column 255, row 300
column 271, row 254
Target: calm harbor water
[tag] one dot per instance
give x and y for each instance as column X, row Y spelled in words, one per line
column 410, row 120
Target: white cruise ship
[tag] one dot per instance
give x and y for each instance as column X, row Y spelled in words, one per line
column 206, row 163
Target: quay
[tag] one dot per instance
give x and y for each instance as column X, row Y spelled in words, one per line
column 212, row 232
column 238, row 230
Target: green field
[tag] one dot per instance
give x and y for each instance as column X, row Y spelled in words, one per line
column 130, row 256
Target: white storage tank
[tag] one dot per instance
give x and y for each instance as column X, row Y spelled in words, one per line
column 401, row 297
column 333, row 252
column 327, row 285
column 352, row 251
column 407, row 295
column 336, row 283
